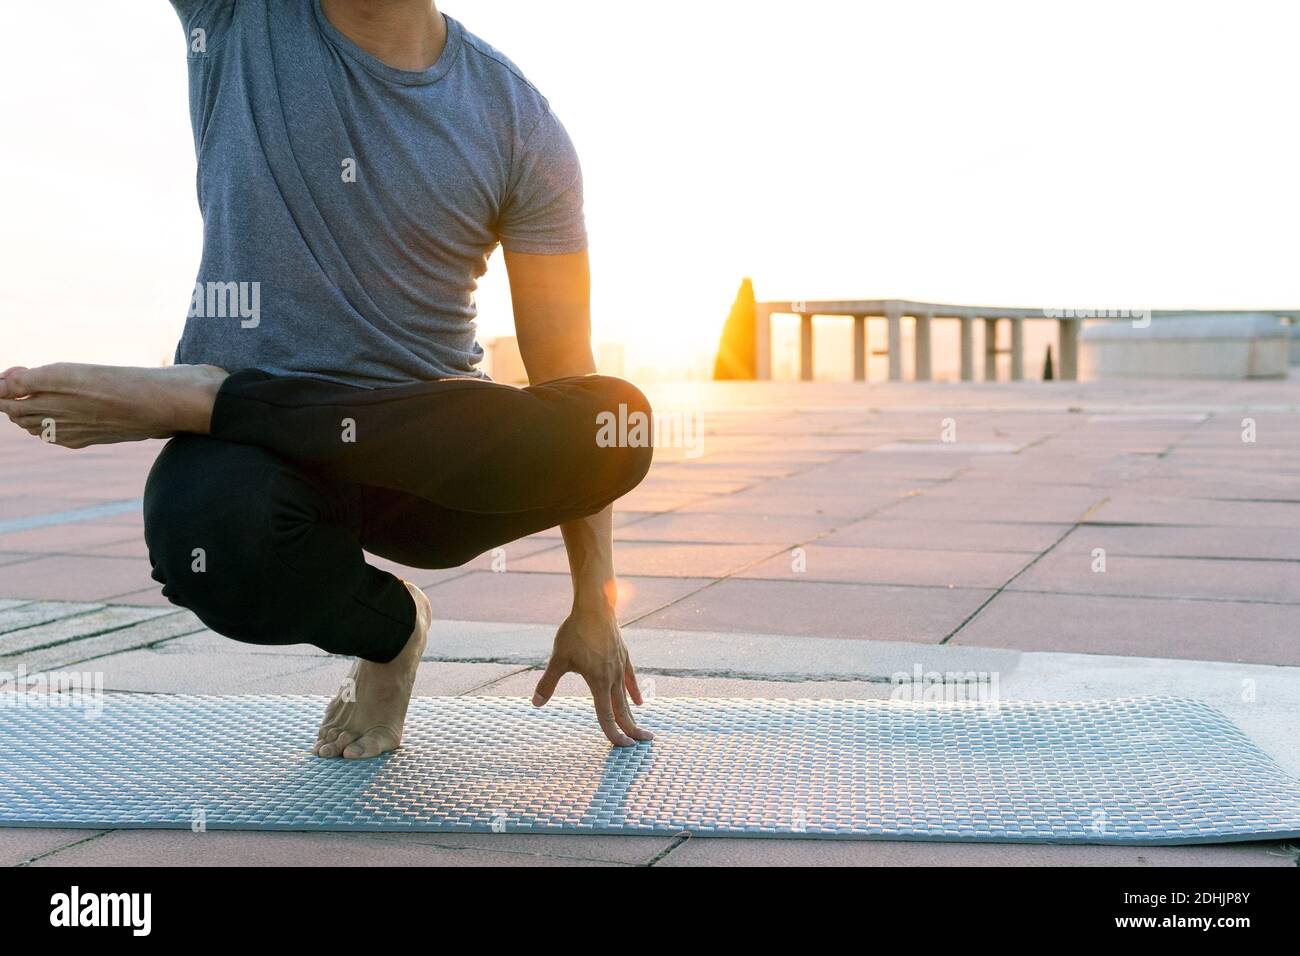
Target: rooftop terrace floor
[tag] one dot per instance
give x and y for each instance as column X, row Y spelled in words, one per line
column 809, row 540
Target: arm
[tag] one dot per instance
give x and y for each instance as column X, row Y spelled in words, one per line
column 551, row 295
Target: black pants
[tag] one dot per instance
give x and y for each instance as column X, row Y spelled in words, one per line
column 259, row 527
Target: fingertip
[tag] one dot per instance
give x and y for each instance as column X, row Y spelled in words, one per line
column 538, row 700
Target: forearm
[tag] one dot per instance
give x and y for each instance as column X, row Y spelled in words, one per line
column 590, row 543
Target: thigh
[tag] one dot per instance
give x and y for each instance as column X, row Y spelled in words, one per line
column 266, row 552
column 420, row 534
column 461, row 444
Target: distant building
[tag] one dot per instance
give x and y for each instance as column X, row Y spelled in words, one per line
column 609, row 358
column 504, row 363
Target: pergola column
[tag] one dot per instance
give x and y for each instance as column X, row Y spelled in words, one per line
column 859, row 348
column 967, row 348
column 922, row 348
column 805, row 347
column 763, row 342
column 1067, row 332
column 990, row 350
column 894, row 319
column 1017, row 350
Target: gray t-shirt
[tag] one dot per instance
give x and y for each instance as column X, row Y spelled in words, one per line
column 350, row 207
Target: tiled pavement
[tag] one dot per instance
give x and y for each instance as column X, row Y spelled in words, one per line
column 810, row 511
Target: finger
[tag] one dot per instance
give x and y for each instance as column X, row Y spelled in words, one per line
column 629, row 681
column 600, row 697
column 623, row 715
column 550, row 680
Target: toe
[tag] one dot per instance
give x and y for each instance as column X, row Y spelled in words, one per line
column 13, row 382
column 371, row 744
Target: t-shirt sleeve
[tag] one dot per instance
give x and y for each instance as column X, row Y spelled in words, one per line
column 542, row 212
column 209, row 17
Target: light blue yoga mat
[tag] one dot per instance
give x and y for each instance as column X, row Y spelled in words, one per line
column 1137, row 771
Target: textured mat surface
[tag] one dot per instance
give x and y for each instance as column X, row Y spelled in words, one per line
column 1147, row 770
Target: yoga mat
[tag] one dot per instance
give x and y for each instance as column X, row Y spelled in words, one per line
column 1136, row 771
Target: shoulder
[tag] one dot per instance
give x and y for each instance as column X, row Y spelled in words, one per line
column 501, row 79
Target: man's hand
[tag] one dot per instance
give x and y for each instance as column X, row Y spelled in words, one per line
column 552, row 304
column 589, row 643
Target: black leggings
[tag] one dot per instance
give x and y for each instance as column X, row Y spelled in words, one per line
column 259, row 527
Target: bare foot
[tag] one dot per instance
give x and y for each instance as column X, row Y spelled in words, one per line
column 79, row 405
column 366, row 717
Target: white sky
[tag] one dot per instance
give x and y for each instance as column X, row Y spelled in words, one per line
column 1041, row 154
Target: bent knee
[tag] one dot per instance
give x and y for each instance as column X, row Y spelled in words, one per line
column 626, row 427
column 618, row 393
column 204, row 518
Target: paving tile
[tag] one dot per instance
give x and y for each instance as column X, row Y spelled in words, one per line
column 69, row 625
column 74, row 578
column 1221, row 579
column 934, row 568
column 660, row 559
column 229, row 668
column 1189, row 630
column 920, row 614
column 680, row 476
column 1136, row 509
column 1020, row 509
column 146, row 597
column 765, row 501
column 1281, row 544
column 19, row 614
column 268, row 848
column 957, row 448
column 28, row 505
column 915, row 534
column 545, row 598
column 749, row 852
column 68, row 538
column 522, row 684
column 622, row 516
column 657, row 501
column 82, row 650
column 20, row 845
column 728, row 528
column 132, row 548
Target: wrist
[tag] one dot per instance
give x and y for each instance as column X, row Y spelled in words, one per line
column 595, row 598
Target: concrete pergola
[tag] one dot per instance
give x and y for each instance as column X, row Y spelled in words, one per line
column 924, row 313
